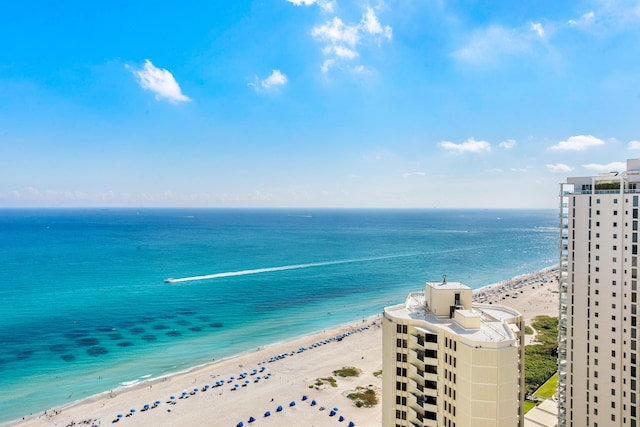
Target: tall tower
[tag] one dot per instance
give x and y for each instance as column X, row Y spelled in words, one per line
column 598, row 342
column 448, row 362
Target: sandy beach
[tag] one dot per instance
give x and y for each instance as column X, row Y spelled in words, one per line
column 284, row 375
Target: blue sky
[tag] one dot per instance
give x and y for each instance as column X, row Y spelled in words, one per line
column 314, row 103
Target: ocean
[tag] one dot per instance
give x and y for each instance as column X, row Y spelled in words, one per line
column 85, row 306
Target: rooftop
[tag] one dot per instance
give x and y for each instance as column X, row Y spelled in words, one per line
column 493, row 319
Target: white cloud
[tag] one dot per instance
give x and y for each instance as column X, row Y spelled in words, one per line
column 275, row 79
column 585, row 19
column 159, row 81
column 412, row 174
column 537, row 27
column 559, row 168
column 495, row 170
column 486, row 45
column 471, row 146
column 340, row 52
column 609, row 167
column 520, row 170
column 326, row 5
column 507, row 144
column 371, row 24
column 342, row 39
column 578, row 143
column 337, row 32
column 634, row 145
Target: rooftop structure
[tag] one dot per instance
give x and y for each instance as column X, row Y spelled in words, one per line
column 449, row 362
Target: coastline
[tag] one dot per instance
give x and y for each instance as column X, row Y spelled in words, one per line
column 285, row 379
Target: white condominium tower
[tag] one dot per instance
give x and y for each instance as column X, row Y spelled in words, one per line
column 448, row 362
column 598, row 341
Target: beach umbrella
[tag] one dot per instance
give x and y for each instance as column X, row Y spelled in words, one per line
column 335, row 409
column 158, row 402
column 268, row 413
column 184, row 393
column 240, row 424
column 313, row 402
column 132, row 411
column 119, row 415
column 206, row 387
column 195, row 389
column 332, row 413
column 304, row 397
column 251, row 419
column 279, row 408
column 172, row 397
column 292, row 403
column 341, row 418
column 146, row 406
column 351, row 424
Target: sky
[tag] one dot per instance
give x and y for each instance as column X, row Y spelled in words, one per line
column 314, row 103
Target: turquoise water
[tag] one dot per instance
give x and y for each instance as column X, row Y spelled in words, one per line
column 84, row 302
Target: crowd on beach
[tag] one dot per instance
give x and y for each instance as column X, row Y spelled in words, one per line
column 514, row 287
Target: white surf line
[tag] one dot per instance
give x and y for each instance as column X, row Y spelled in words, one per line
column 281, row 268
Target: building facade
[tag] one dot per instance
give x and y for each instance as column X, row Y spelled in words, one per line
column 449, row 362
column 597, row 344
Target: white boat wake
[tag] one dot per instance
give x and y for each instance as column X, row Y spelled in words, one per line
column 281, row 268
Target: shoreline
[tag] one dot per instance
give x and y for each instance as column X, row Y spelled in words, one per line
column 296, row 373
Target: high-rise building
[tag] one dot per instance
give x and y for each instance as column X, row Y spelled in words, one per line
column 598, row 338
column 449, row 362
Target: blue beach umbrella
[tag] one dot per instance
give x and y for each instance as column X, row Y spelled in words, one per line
column 304, row 397
column 158, row 402
column 335, row 409
column 292, row 403
column 240, row 424
column 268, row 413
column 119, row 415
column 132, row 411
column 313, row 402
column 341, row 418
column 251, row 419
column 279, row 408
column 351, row 424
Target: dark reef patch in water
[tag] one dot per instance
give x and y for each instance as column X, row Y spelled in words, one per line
column 216, row 325
column 105, row 329
column 24, row 355
column 160, row 327
column 149, row 337
column 115, row 336
column 97, row 351
column 126, row 324
column 58, row 348
column 137, row 330
column 68, row 357
column 87, row 341
column 168, row 316
column 125, row 344
column 183, row 322
column 76, row 333
column 195, row 329
column 186, row 312
column 174, row 333
column 204, row 318
column 147, row 319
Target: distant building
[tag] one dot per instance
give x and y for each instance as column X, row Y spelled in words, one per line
column 448, row 362
column 598, row 324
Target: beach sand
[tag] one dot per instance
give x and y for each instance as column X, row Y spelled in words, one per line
column 283, row 380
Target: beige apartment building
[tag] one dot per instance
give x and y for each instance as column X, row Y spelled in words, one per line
column 598, row 341
column 448, row 362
